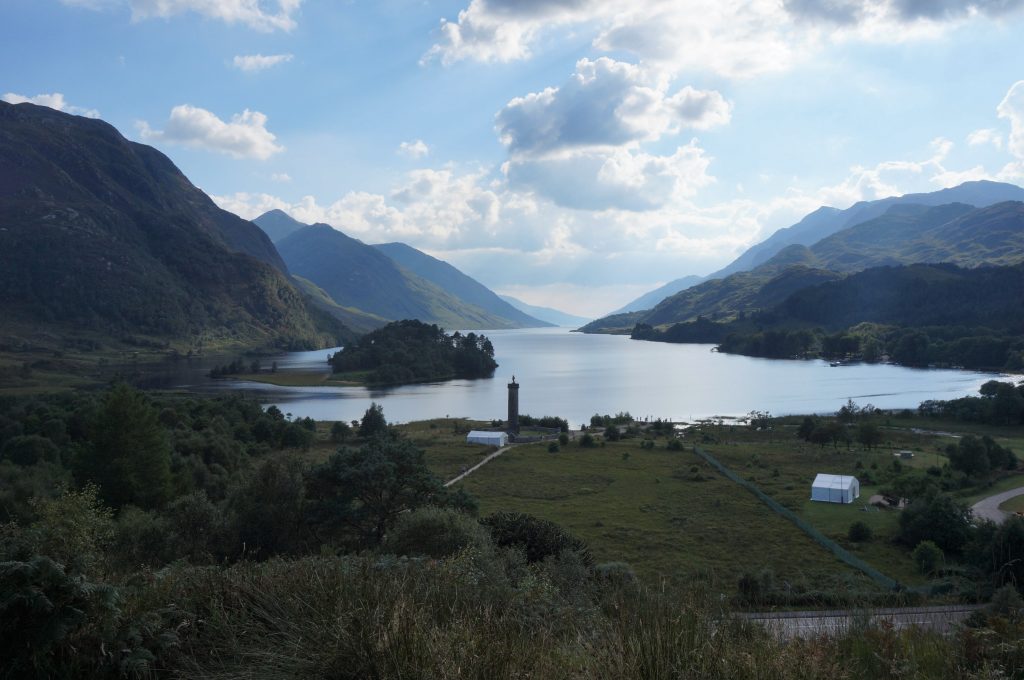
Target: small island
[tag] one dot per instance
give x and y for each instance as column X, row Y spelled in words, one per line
column 411, row 351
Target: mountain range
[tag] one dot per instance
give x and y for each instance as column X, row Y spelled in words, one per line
column 826, row 221
column 106, row 236
column 902, row 233
column 391, row 281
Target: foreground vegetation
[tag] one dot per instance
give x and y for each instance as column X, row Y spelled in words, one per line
column 163, row 536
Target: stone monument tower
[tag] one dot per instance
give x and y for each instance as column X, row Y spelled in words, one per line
column 513, row 407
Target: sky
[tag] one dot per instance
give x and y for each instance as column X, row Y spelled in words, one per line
column 572, row 153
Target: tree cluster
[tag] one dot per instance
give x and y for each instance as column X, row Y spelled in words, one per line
column 412, row 351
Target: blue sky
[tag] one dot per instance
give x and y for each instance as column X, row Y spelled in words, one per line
column 574, row 153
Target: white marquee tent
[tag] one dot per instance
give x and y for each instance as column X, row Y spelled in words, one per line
column 487, row 438
column 835, row 488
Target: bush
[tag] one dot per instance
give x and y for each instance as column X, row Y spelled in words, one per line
column 553, row 447
column 435, row 532
column 612, row 433
column 674, row 445
column 563, row 439
column 859, row 532
column 587, row 441
column 538, row 538
column 927, row 556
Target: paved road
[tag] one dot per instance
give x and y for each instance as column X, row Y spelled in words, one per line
column 789, row 625
column 479, row 465
column 988, row 508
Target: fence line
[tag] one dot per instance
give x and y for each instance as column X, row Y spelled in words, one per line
column 821, row 539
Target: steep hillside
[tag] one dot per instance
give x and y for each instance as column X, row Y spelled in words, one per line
column 104, row 235
column 454, row 282
column 356, row 275
column 277, row 224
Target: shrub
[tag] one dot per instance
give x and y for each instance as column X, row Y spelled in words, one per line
column 553, row 447
column 859, row 532
column 612, row 433
column 674, row 445
column 341, row 431
column 563, row 439
column 538, row 538
column 435, row 532
column 587, row 441
column 927, row 556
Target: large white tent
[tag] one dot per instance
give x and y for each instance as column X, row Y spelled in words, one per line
column 487, row 438
column 835, row 488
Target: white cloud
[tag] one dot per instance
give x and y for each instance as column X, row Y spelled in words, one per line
column 605, row 103
column 246, row 136
column 733, row 38
column 1012, row 109
column 253, row 63
column 54, row 100
column 251, row 13
column 282, row 177
column 416, row 149
column 580, row 144
column 985, row 137
column 625, row 179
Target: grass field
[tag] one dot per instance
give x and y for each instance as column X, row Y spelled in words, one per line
column 646, row 508
column 1015, row 504
column 668, row 515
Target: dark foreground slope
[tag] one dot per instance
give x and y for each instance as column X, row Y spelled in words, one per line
column 103, row 235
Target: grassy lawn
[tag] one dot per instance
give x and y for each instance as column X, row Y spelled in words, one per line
column 784, row 467
column 1015, row 504
column 644, row 507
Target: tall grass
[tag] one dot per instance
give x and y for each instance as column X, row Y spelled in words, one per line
column 490, row 615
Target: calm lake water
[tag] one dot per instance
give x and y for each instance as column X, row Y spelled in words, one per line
column 575, row 375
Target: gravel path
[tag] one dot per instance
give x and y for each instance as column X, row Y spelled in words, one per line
column 479, row 465
column 988, row 508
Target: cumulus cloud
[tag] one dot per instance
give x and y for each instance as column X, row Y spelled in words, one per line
column 416, row 149
column 734, row 38
column 282, row 177
column 605, row 103
column 261, row 15
column 580, row 144
column 54, row 100
column 253, row 63
column 1012, row 109
column 985, row 137
column 245, row 136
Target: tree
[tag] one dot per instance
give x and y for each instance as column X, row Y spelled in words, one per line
column 970, row 457
column 927, row 556
column 340, row 431
column 869, row 435
column 128, row 455
column 373, row 422
column 939, row 519
column 359, row 492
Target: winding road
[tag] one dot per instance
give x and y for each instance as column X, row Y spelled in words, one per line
column 988, row 508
